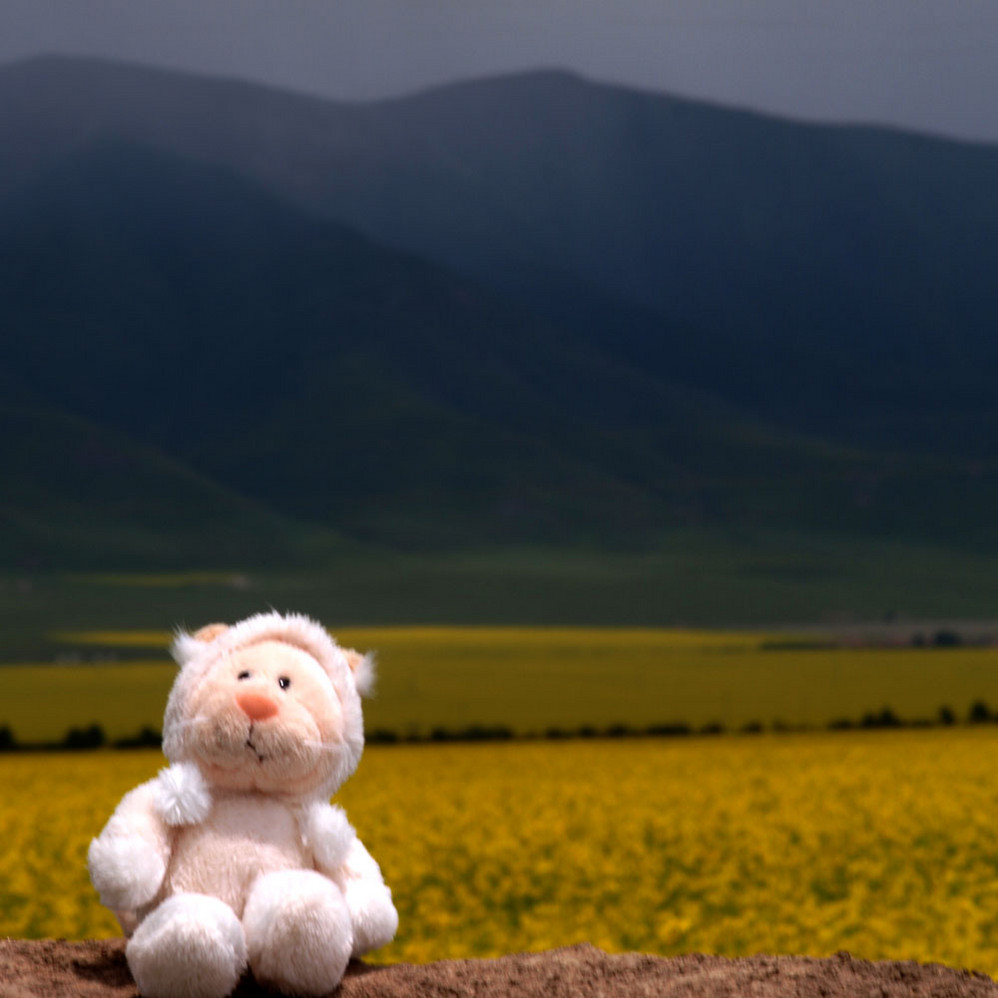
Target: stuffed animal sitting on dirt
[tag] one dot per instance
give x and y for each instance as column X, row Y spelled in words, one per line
column 233, row 857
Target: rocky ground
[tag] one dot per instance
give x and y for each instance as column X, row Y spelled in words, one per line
column 56, row 968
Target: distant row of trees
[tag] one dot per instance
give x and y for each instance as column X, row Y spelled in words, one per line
column 979, row 713
column 93, row 736
column 941, row 639
column 79, row 739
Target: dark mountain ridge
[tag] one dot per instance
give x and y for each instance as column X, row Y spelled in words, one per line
column 836, row 279
column 302, row 365
column 156, row 295
column 529, row 310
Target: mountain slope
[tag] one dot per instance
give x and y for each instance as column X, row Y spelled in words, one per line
column 834, row 279
column 76, row 494
column 337, row 382
column 615, row 318
column 293, row 360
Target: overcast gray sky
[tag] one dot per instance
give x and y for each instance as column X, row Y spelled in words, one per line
column 925, row 64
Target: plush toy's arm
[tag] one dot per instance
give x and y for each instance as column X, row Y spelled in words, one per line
column 128, row 859
column 328, row 835
column 341, row 856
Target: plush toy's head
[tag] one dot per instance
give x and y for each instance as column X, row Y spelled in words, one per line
column 270, row 704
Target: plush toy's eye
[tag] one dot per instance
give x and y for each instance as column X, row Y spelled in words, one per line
column 284, row 682
column 244, row 674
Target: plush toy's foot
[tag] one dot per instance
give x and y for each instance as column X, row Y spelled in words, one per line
column 372, row 915
column 298, row 934
column 191, row 946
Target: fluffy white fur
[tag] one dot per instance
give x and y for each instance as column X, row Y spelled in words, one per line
column 127, row 873
column 183, row 797
column 364, row 672
column 372, row 914
column 191, row 946
column 128, row 861
column 233, row 857
column 298, row 931
column 328, row 834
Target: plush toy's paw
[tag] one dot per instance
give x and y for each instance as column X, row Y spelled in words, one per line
column 328, row 834
column 298, row 932
column 126, row 870
column 372, row 915
column 191, row 946
column 182, row 795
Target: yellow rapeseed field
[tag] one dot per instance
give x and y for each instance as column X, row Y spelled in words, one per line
column 882, row 843
column 456, row 677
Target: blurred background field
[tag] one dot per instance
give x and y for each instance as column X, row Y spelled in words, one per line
column 542, row 681
column 882, row 843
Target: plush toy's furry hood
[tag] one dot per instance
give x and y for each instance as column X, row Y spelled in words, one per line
column 293, row 629
column 350, row 674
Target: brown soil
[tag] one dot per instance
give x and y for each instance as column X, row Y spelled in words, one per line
column 55, row 968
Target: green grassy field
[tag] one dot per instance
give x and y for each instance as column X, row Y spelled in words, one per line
column 530, row 680
column 688, row 580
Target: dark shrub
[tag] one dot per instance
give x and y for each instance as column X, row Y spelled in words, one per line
column 146, row 738
column 619, row 731
column 946, row 639
column 885, row 719
column 484, row 733
column 980, row 713
column 669, row 730
column 841, row 724
column 84, row 738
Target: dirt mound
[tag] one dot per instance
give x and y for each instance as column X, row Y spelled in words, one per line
column 55, row 968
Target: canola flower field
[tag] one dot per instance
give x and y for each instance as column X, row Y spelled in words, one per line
column 881, row 843
column 532, row 680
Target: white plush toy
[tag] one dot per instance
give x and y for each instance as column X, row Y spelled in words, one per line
column 233, row 857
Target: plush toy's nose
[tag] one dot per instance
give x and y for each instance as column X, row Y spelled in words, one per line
column 256, row 706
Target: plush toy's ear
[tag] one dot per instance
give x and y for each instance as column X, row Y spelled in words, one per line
column 186, row 646
column 209, row 632
column 362, row 667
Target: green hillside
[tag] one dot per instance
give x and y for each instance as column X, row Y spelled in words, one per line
column 78, row 494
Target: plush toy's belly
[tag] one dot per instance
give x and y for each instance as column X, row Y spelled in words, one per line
column 244, row 836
